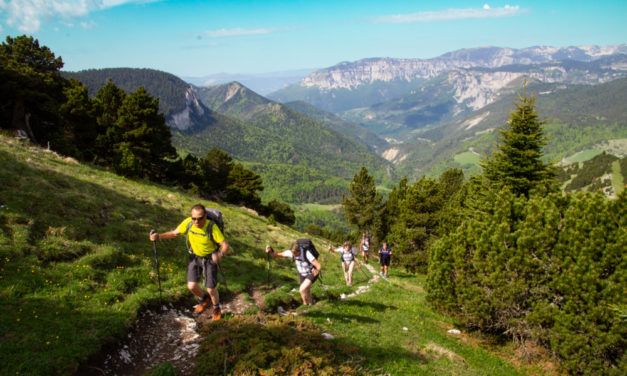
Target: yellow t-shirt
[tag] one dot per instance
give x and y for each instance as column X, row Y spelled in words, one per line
column 199, row 238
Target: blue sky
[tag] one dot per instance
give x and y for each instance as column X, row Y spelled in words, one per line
column 197, row 38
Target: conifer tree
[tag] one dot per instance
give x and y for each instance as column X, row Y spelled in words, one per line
column 78, row 122
column 363, row 205
column 517, row 162
column 145, row 136
column 107, row 103
column 31, row 89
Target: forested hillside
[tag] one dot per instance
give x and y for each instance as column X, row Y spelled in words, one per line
column 293, row 142
column 579, row 117
column 168, row 88
column 351, row 130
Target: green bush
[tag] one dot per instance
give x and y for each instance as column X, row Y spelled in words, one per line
column 549, row 269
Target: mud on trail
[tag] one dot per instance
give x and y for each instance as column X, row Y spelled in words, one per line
column 166, row 334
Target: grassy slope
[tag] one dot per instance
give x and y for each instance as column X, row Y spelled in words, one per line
column 76, row 267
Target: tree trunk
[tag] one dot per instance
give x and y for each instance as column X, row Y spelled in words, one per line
column 20, row 119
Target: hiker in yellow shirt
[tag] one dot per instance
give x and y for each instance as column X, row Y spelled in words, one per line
column 208, row 247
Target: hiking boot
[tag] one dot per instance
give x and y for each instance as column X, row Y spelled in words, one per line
column 216, row 313
column 201, row 305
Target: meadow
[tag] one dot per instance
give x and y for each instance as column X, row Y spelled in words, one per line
column 76, row 269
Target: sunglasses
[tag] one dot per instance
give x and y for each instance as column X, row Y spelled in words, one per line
column 198, row 219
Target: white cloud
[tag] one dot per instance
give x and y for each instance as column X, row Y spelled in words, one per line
column 453, row 14
column 28, row 15
column 221, row 33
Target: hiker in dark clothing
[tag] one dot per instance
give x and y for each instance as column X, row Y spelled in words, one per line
column 208, row 246
column 307, row 264
column 384, row 259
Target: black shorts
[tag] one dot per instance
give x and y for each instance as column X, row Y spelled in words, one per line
column 310, row 277
column 202, row 267
column 384, row 260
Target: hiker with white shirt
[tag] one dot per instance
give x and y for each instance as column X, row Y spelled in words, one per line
column 348, row 255
column 305, row 256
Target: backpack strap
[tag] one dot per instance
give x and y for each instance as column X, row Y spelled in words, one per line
column 209, row 228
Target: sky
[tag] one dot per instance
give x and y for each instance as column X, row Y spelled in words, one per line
column 199, row 38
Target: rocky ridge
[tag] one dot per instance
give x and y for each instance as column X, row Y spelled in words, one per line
column 349, row 75
column 183, row 119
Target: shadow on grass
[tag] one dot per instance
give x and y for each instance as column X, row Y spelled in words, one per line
column 46, row 336
column 362, row 304
column 341, row 317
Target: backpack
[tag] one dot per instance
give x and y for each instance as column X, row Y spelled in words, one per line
column 215, row 216
column 302, row 263
column 307, row 245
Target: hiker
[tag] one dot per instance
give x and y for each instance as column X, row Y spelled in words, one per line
column 384, row 259
column 364, row 246
column 348, row 260
column 208, row 247
column 304, row 255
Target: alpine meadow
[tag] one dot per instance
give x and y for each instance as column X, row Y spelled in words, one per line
column 496, row 178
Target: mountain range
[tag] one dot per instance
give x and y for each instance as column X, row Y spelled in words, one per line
column 423, row 116
column 366, row 82
column 299, row 159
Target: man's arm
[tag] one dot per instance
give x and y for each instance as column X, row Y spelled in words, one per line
column 164, row 236
column 274, row 254
column 217, row 256
column 317, row 266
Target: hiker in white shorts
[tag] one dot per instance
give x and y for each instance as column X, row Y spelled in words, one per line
column 364, row 247
column 348, row 260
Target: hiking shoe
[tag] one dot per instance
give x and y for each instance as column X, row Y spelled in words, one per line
column 201, row 306
column 216, row 313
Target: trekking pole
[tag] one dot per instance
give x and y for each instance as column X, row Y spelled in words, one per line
column 223, row 279
column 362, row 270
column 322, row 283
column 268, row 264
column 154, row 245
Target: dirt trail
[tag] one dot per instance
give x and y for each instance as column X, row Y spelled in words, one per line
column 167, row 334
column 170, row 334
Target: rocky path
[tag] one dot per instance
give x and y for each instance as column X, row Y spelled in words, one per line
column 170, row 334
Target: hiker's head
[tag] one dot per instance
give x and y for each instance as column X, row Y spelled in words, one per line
column 295, row 249
column 199, row 216
column 347, row 245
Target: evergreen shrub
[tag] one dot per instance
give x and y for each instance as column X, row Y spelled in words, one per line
column 549, row 269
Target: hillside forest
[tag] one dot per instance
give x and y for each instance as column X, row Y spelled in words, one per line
column 506, row 253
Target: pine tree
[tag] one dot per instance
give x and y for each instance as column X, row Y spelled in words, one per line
column 31, row 89
column 517, row 162
column 78, row 122
column 107, row 103
column 363, row 205
column 145, row 136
